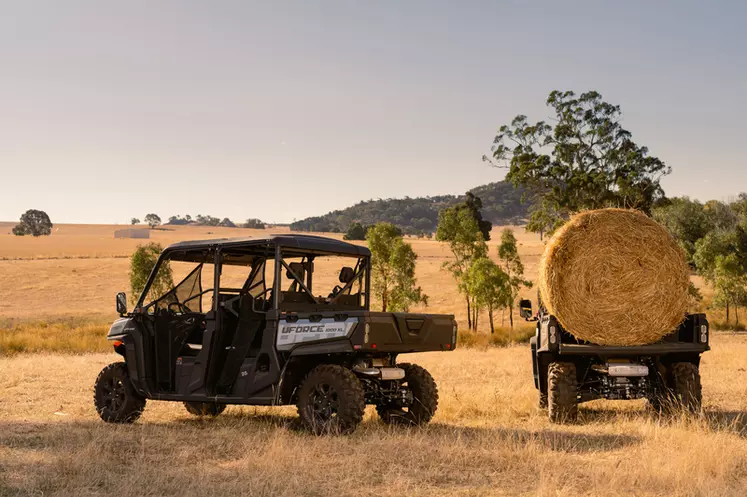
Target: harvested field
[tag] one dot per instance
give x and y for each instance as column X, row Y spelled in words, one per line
column 486, row 439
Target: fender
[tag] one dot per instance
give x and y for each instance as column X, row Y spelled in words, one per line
column 129, row 333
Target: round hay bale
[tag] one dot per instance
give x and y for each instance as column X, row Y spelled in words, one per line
column 615, row 277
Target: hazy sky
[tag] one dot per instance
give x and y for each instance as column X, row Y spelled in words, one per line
column 282, row 110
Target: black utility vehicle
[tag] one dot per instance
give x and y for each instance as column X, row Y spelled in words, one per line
column 270, row 321
column 568, row 371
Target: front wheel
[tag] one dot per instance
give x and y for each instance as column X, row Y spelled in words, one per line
column 331, row 400
column 424, row 392
column 562, row 392
column 115, row 398
column 204, row 408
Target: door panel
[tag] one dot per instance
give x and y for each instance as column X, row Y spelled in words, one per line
column 172, row 332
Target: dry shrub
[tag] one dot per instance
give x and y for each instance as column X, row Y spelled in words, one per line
column 615, row 277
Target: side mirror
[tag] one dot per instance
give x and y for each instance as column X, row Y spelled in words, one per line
column 525, row 308
column 121, row 303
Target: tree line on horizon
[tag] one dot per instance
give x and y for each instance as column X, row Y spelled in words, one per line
column 154, row 220
column 502, row 204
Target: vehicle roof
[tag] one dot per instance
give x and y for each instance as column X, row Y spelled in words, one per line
column 301, row 243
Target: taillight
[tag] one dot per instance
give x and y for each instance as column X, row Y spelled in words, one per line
column 117, row 343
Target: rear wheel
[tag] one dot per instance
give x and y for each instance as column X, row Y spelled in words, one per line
column 681, row 388
column 424, row 399
column 115, row 398
column 331, row 400
column 687, row 388
column 562, row 396
column 204, row 408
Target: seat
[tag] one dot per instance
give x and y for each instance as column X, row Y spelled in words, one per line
column 245, row 337
column 347, row 274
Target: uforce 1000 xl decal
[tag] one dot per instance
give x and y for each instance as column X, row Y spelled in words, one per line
column 305, row 330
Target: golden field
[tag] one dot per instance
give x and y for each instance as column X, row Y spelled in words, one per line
column 488, row 438
column 79, row 268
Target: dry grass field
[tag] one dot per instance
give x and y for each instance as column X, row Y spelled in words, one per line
column 487, row 438
column 79, row 268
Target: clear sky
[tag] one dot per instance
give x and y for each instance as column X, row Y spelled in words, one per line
column 282, row 110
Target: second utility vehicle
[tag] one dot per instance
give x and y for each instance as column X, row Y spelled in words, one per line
column 270, row 321
column 568, row 371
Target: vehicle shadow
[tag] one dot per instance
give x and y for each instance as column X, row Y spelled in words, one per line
column 715, row 419
column 37, row 435
column 556, row 439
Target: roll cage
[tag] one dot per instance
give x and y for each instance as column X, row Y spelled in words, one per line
column 294, row 254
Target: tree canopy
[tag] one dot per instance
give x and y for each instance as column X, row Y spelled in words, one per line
column 152, row 220
column 508, row 253
column 714, row 236
column 253, row 223
column 142, row 262
column 393, row 269
column 490, row 286
column 585, row 159
column 458, row 227
column 33, row 222
column 356, row 231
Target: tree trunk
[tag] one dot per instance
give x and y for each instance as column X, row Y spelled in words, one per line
column 384, row 299
column 511, row 316
column 469, row 315
column 490, row 316
column 727, row 312
column 474, row 319
column 503, row 317
column 736, row 313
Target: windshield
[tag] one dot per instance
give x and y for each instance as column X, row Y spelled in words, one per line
column 194, row 282
column 184, row 297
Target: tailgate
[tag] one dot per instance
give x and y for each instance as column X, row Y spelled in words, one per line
column 405, row 332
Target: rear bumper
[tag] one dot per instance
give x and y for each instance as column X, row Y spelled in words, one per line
column 637, row 350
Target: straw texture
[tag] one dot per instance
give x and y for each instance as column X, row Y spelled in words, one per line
column 615, row 277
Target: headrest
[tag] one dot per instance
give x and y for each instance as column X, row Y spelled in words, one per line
column 347, row 274
column 297, row 267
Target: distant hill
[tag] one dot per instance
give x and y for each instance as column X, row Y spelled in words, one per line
column 501, row 204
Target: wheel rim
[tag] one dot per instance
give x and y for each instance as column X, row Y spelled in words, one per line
column 114, row 394
column 325, row 403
